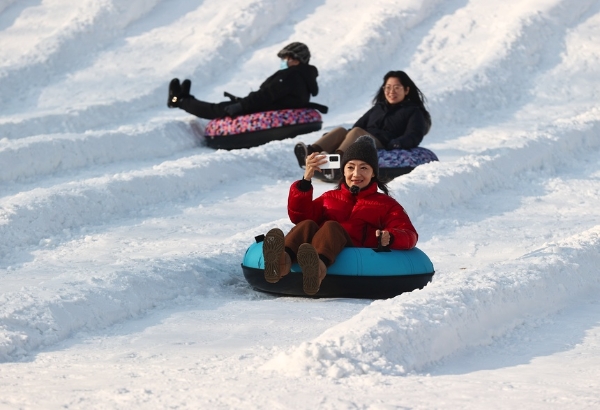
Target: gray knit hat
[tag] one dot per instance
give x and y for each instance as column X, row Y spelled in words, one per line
column 363, row 149
column 298, row 51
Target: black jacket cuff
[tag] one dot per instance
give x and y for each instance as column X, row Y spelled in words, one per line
column 304, row 185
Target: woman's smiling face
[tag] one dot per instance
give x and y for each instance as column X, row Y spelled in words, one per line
column 358, row 173
column 394, row 91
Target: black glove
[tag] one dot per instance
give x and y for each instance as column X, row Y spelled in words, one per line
column 231, row 96
column 395, row 144
column 233, row 110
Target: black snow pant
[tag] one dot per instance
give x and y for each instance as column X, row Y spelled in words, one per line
column 203, row 109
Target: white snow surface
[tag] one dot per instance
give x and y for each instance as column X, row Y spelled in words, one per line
column 122, row 234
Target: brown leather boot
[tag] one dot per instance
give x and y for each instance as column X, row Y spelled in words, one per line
column 313, row 268
column 277, row 261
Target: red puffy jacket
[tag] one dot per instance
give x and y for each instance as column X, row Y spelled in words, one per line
column 360, row 215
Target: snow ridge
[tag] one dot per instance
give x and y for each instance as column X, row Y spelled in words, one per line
column 35, row 318
column 399, row 335
column 440, row 185
column 44, row 155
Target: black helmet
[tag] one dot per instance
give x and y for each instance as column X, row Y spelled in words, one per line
column 298, row 51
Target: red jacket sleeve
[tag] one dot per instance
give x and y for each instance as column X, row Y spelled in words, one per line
column 397, row 222
column 302, row 207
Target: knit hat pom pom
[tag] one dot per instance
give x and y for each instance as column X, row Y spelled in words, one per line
column 366, row 138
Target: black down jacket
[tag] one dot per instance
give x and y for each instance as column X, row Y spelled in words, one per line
column 401, row 125
column 288, row 88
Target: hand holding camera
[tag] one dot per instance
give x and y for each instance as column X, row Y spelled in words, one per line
column 319, row 162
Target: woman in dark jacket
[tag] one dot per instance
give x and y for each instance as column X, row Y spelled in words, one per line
column 354, row 214
column 290, row 87
column 397, row 120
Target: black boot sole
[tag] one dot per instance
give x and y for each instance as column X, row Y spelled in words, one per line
column 174, row 92
column 301, row 153
column 273, row 248
column 308, row 259
column 186, row 86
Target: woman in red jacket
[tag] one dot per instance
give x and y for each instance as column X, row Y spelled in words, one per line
column 352, row 214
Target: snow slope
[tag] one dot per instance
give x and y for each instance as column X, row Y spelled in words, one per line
column 121, row 233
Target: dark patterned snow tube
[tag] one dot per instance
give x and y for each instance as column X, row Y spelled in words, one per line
column 259, row 128
column 392, row 163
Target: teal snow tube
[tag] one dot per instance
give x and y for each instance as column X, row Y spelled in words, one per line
column 356, row 273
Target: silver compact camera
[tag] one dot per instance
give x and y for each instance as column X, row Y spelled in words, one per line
column 333, row 162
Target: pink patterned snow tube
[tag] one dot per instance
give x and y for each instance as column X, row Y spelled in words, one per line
column 261, row 121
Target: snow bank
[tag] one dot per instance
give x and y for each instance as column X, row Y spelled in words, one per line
column 38, row 213
column 63, row 35
column 40, row 316
column 410, row 332
column 440, row 185
column 44, row 155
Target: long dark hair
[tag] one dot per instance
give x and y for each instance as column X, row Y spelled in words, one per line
column 380, row 184
column 414, row 94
